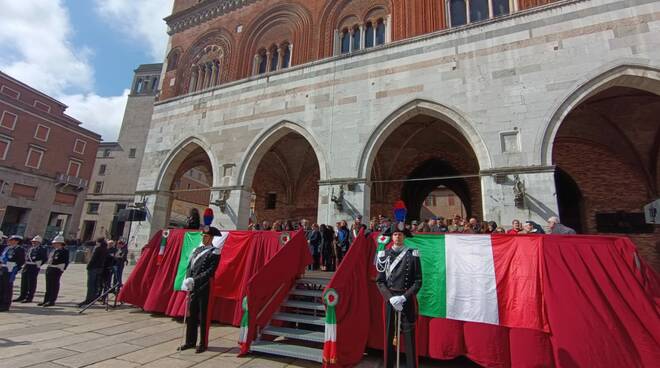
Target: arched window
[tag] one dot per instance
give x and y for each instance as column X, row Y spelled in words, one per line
column 274, row 58
column 263, row 62
column 478, row 10
column 286, row 55
column 154, row 84
column 356, row 38
column 193, row 79
column 345, row 41
column 173, row 61
column 463, row 12
column 458, row 12
column 380, row 32
column 138, row 86
column 369, row 35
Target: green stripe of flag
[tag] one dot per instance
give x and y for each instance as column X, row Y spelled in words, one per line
column 190, row 241
column 432, row 298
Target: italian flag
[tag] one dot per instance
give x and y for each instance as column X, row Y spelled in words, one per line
column 191, row 241
column 493, row 279
column 330, row 298
column 245, row 322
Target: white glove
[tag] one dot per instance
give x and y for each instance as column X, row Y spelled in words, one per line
column 397, row 302
column 188, row 284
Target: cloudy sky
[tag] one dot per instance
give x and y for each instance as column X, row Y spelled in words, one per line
column 83, row 52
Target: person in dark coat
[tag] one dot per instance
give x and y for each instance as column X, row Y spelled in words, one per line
column 314, row 241
column 201, row 268
column 327, row 247
column 193, row 221
column 12, row 259
column 58, row 261
column 95, row 269
column 35, row 256
column 399, row 279
column 121, row 259
column 343, row 241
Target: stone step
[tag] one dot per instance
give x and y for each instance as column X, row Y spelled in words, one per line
column 313, row 281
column 293, row 351
column 300, row 318
column 303, row 305
column 295, row 333
column 307, row 292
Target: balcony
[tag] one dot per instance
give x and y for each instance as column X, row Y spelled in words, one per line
column 75, row 182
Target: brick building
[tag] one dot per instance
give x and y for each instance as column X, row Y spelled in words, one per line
column 46, row 161
column 117, row 166
column 328, row 109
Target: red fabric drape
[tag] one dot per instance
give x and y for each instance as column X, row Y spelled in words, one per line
column 150, row 286
column 139, row 281
column 271, row 284
column 601, row 302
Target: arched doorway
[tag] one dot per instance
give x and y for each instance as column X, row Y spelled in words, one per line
column 607, row 154
column 189, row 182
column 424, row 155
column 285, row 183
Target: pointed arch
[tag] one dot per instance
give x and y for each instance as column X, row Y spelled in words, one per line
column 421, row 107
column 265, row 141
column 176, row 158
column 221, row 42
column 639, row 76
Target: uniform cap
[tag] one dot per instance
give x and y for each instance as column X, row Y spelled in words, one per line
column 211, row 230
column 37, row 239
column 16, row 237
column 58, row 239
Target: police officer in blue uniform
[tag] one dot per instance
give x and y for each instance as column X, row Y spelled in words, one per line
column 58, row 261
column 35, row 256
column 399, row 279
column 11, row 261
column 201, row 268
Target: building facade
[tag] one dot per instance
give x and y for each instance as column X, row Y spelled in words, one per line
column 115, row 173
column 329, row 109
column 46, row 161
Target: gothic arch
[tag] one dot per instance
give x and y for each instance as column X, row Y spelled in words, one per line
column 332, row 13
column 409, row 110
column 262, row 143
column 298, row 21
column 219, row 38
column 172, row 164
column 631, row 75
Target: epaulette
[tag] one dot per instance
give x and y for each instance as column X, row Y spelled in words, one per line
column 415, row 253
column 381, row 254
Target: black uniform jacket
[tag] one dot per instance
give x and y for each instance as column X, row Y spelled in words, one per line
column 203, row 262
column 405, row 279
column 38, row 255
column 58, row 258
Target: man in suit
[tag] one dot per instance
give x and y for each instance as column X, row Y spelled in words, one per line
column 399, row 279
column 201, row 268
column 34, row 258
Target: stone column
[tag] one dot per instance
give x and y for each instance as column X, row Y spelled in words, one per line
column 255, row 65
column 236, row 213
column 388, row 28
column 356, row 201
column 290, row 54
column 157, row 205
column 268, row 60
column 193, row 81
column 336, row 45
column 540, row 199
column 351, row 32
column 362, row 37
column 214, row 74
column 280, row 57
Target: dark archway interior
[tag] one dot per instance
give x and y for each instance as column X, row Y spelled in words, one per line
column 608, row 150
column 569, row 199
column 423, row 147
column 285, row 185
column 190, row 187
column 415, row 192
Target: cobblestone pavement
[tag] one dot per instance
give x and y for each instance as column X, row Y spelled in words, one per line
column 56, row 337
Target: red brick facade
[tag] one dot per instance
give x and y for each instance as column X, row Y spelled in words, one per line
column 234, row 38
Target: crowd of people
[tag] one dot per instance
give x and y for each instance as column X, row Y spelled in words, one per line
column 329, row 244
column 19, row 256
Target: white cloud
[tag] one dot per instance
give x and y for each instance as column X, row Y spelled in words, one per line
column 140, row 20
column 35, row 48
column 102, row 115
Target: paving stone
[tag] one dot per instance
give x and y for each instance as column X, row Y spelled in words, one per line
column 98, row 355
column 113, row 363
column 169, row 363
column 152, row 353
column 26, row 360
column 100, row 343
column 129, row 326
column 221, row 361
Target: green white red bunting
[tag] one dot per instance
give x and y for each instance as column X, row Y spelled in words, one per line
column 330, row 298
column 284, row 238
column 163, row 244
column 243, row 334
column 383, row 240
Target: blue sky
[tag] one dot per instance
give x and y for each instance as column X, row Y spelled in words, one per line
column 83, row 52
